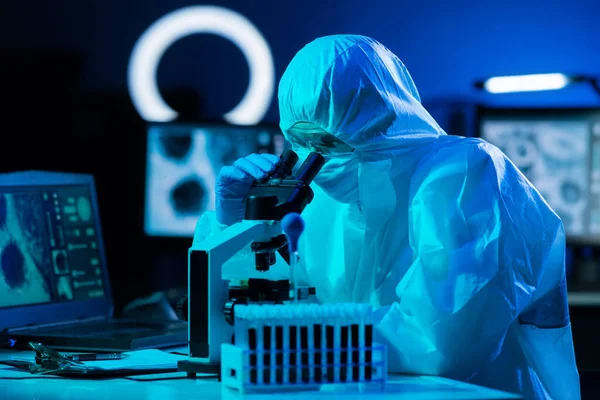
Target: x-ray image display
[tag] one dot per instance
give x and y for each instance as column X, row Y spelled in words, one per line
column 25, row 261
column 183, row 162
column 555, row 157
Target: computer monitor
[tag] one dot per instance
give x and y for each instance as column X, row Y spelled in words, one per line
column 49, row 245
column 52, row 260
column 558, row 150
column 182, row 163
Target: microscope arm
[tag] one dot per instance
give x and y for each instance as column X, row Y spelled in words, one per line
column 225, row 244
column 208, row 292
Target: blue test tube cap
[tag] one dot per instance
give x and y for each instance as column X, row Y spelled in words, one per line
column 293, row 226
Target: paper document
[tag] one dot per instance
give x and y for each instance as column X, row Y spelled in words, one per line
column 140, row 359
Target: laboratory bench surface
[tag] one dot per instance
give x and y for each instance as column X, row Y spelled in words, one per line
column 177, row 387
column 401, row 388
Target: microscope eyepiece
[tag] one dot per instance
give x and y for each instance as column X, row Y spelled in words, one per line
column 287, row 162
column 280, row 193
column 310, row 168
column 285, row 166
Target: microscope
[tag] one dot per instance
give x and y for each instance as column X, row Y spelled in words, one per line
column 211, row 300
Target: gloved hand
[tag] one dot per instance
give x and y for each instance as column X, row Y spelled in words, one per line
column 234, row 183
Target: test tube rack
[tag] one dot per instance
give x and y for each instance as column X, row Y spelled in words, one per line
column 303, row 346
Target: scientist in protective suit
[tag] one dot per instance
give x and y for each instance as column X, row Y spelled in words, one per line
column 461, row 257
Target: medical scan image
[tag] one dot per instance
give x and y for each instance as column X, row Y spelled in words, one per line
column 555, row 157
column 182, row 165
column 25, row 261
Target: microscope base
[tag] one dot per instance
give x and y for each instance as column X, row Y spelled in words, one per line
column 192, row 369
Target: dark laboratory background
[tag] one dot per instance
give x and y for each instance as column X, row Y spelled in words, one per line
column 66, row 106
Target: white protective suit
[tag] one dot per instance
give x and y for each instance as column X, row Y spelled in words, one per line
column 460, row 255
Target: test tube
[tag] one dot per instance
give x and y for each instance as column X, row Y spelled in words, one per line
column 304, row 353
column 324, row 352
column 260, row 362
column 293, row 350
column 311, row 353
column 362, row 343
column 329, row 336
column 337, row 345
column 286, row 350
column 273, row 357
column 279, row 353
column 344, row 354
column 253, row 362
column 355, row 352
column 298, row 357
column 317, row 334
column 368, row 351
column 266, row 354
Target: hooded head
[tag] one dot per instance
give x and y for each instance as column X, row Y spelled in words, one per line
column 352, row 91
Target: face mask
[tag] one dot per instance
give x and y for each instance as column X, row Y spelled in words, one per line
column 339, row 176
column 339, row 179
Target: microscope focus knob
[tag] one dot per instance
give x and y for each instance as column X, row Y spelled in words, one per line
column 229, row 312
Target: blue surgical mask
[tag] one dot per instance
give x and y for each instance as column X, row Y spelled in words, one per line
column 339, row 179
column 339, row 176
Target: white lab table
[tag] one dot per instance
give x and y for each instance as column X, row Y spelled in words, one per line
column 177, row 387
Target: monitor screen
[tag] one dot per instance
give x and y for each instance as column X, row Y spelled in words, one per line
column 49, row 247
column 559, row 152
column 182, row 163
